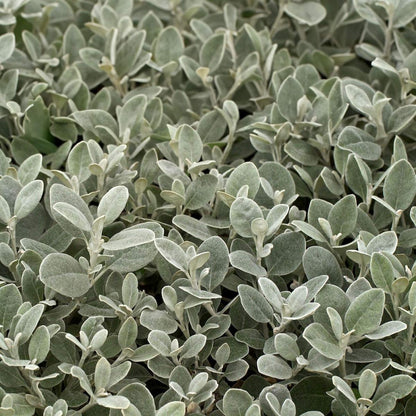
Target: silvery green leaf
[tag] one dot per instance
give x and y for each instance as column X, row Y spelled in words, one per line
column 384, row 404
column 286, row 255
column 290, row 93
column 7, row 45
column 78, row 162
column 271, row 292
column 212, row 52
column 275, row 218
column 309, row 12
column 382, row 271
column 131, row 115
column 359, row 142
column 359, row 99
column 102, row 374
column 255, row 304
column 172, row 252
column 128, row 333
column 242, row 212
column 160, row 341
column 244, row 174
column 39, row 344
column 246, row 262
column 29, row 169
column 28, row 198
column 193, row 346
column 236, row 402
column 309, row 230
column 286, row 346
column 172, row 409
column 158, row 320
column 318, row 261
column 10, row 302
column 113, row 203
column 200, row 192
column 63, row 274
column 344, row 388
column 113, row 402
column 192, row 226
column 398, row 386
column 384, row 242
column 367, row 383
column 365, row 312
column 28, row 322
column 400, row 185
column 387, row 329
column 189, row 143
column 72, row 215
column 323, row 341
column 343, row 216
column 5, row 214
column 169, row 46
column 217, row 263
column 401, row 118
column 273, row 366
column 130, row 237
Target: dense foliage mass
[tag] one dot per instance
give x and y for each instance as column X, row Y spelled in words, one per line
column 206, row 207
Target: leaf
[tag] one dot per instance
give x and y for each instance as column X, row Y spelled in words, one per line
column 5, row 214
column 212, row 52
column 172, row 253
column 217, row 263
column 113, row 402
column 401, row 118
column 169, row 46
column 387, row 329
column 189, row 143
column 128, row 238
column 343, row 216
column 39, row 344
column 236, row 402
column 382, row 271
column 365, row 312
column 244, row 261
column 359, row 99
column 79, row 161
column 318, row 261
column 64, row 274
column 172, row 409
column 308, row 12
column 28, row 322
column 10, row 302
column 244, row 174
column 286, row 255
column 140, row 397
column 398, row 386
column 255, row 304
column 400, row 185
column 28, row 198
column 29, row 169
column 128, row 333
column 200, row 192
column 242, row 212
column 113, row 203
column 7, row 45
column 290, row 92
column 73, row 215
column 273, row 366
column 324, row 342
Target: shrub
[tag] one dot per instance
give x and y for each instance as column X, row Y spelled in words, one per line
column 206, row 207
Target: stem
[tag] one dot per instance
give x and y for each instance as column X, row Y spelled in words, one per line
column 342, row 368
column 387, row 42
column 275, row 27
column 229, row 146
